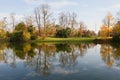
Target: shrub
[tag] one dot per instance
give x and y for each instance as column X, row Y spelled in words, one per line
column 19, row 36
column 16, row 36
column 63, row 33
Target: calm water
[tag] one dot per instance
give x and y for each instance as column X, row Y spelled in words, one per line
column 78, row 61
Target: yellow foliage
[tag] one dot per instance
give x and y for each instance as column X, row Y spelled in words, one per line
column 26, row 35
column 27, row 47
column 0, row 31
column 104, row 31
column 1, row 24
column 73, row 32
column 109, row 16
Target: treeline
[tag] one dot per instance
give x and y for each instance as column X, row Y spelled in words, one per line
column 42, row 24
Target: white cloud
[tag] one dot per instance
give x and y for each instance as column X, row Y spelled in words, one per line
column 114, row 7
column 63, row 3
column 55, row 4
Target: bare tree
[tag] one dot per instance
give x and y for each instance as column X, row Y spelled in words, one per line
column 63, row 19
column 4, row 24
column 38, row 18
column 81, row 28
column 29, row 20
column 42, row 16
column 45, row 15
column 67, row 19
column 73, row 19
column 12, row 15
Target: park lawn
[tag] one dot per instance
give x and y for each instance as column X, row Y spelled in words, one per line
column 76, row 39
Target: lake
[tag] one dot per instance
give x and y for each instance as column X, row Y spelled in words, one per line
column 59, row 61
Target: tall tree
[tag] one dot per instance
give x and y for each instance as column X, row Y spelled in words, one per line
column 73, row 19
column 108, row 21
column 45, row 9
column 4, row 24
column 104, row 31
column 63, row 20
column 12, row 15
column 116, row 32
column 81, row 28
column 29, row 21
column 37, row 12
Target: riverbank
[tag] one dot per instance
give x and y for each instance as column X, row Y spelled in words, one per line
column 96, row 40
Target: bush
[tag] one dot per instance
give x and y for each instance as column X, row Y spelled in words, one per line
column 31, row 30
column 19, row 36
column 63, row 33
column 16, row 36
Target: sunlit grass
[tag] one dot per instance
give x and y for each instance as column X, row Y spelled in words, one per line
column 76, row 39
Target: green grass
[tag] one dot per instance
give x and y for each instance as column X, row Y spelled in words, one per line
column 48, row 39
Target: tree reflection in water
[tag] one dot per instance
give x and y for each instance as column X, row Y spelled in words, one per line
column 106, row 54
column 116, row 54
column 44, row 57
column 110, row 54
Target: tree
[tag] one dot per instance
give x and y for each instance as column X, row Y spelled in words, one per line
column 64, row 19
column 73, row 19
column 38, row 18
column 29, row 21
column 116, row 32
column 63, row 33
column 45, row 15
column 20, row 27
column 42, row 17
column 32, row 31
column 3, row 27
column 104, row 31
column 12, row 15
column 108, row 21
column 81, row 28
column 4, row 24
column 20, row 33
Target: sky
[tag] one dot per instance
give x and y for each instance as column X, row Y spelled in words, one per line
column 91, row 12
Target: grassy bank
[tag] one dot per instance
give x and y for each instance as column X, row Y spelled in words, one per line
column 68, row 40
column 48, row 39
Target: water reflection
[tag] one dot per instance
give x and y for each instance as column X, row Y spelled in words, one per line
column 43, row 58
column 110, row 54
column 106, row 54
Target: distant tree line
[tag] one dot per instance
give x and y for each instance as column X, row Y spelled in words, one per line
column 42, row 24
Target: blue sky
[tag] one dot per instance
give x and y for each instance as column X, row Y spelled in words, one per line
column 89, row 11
